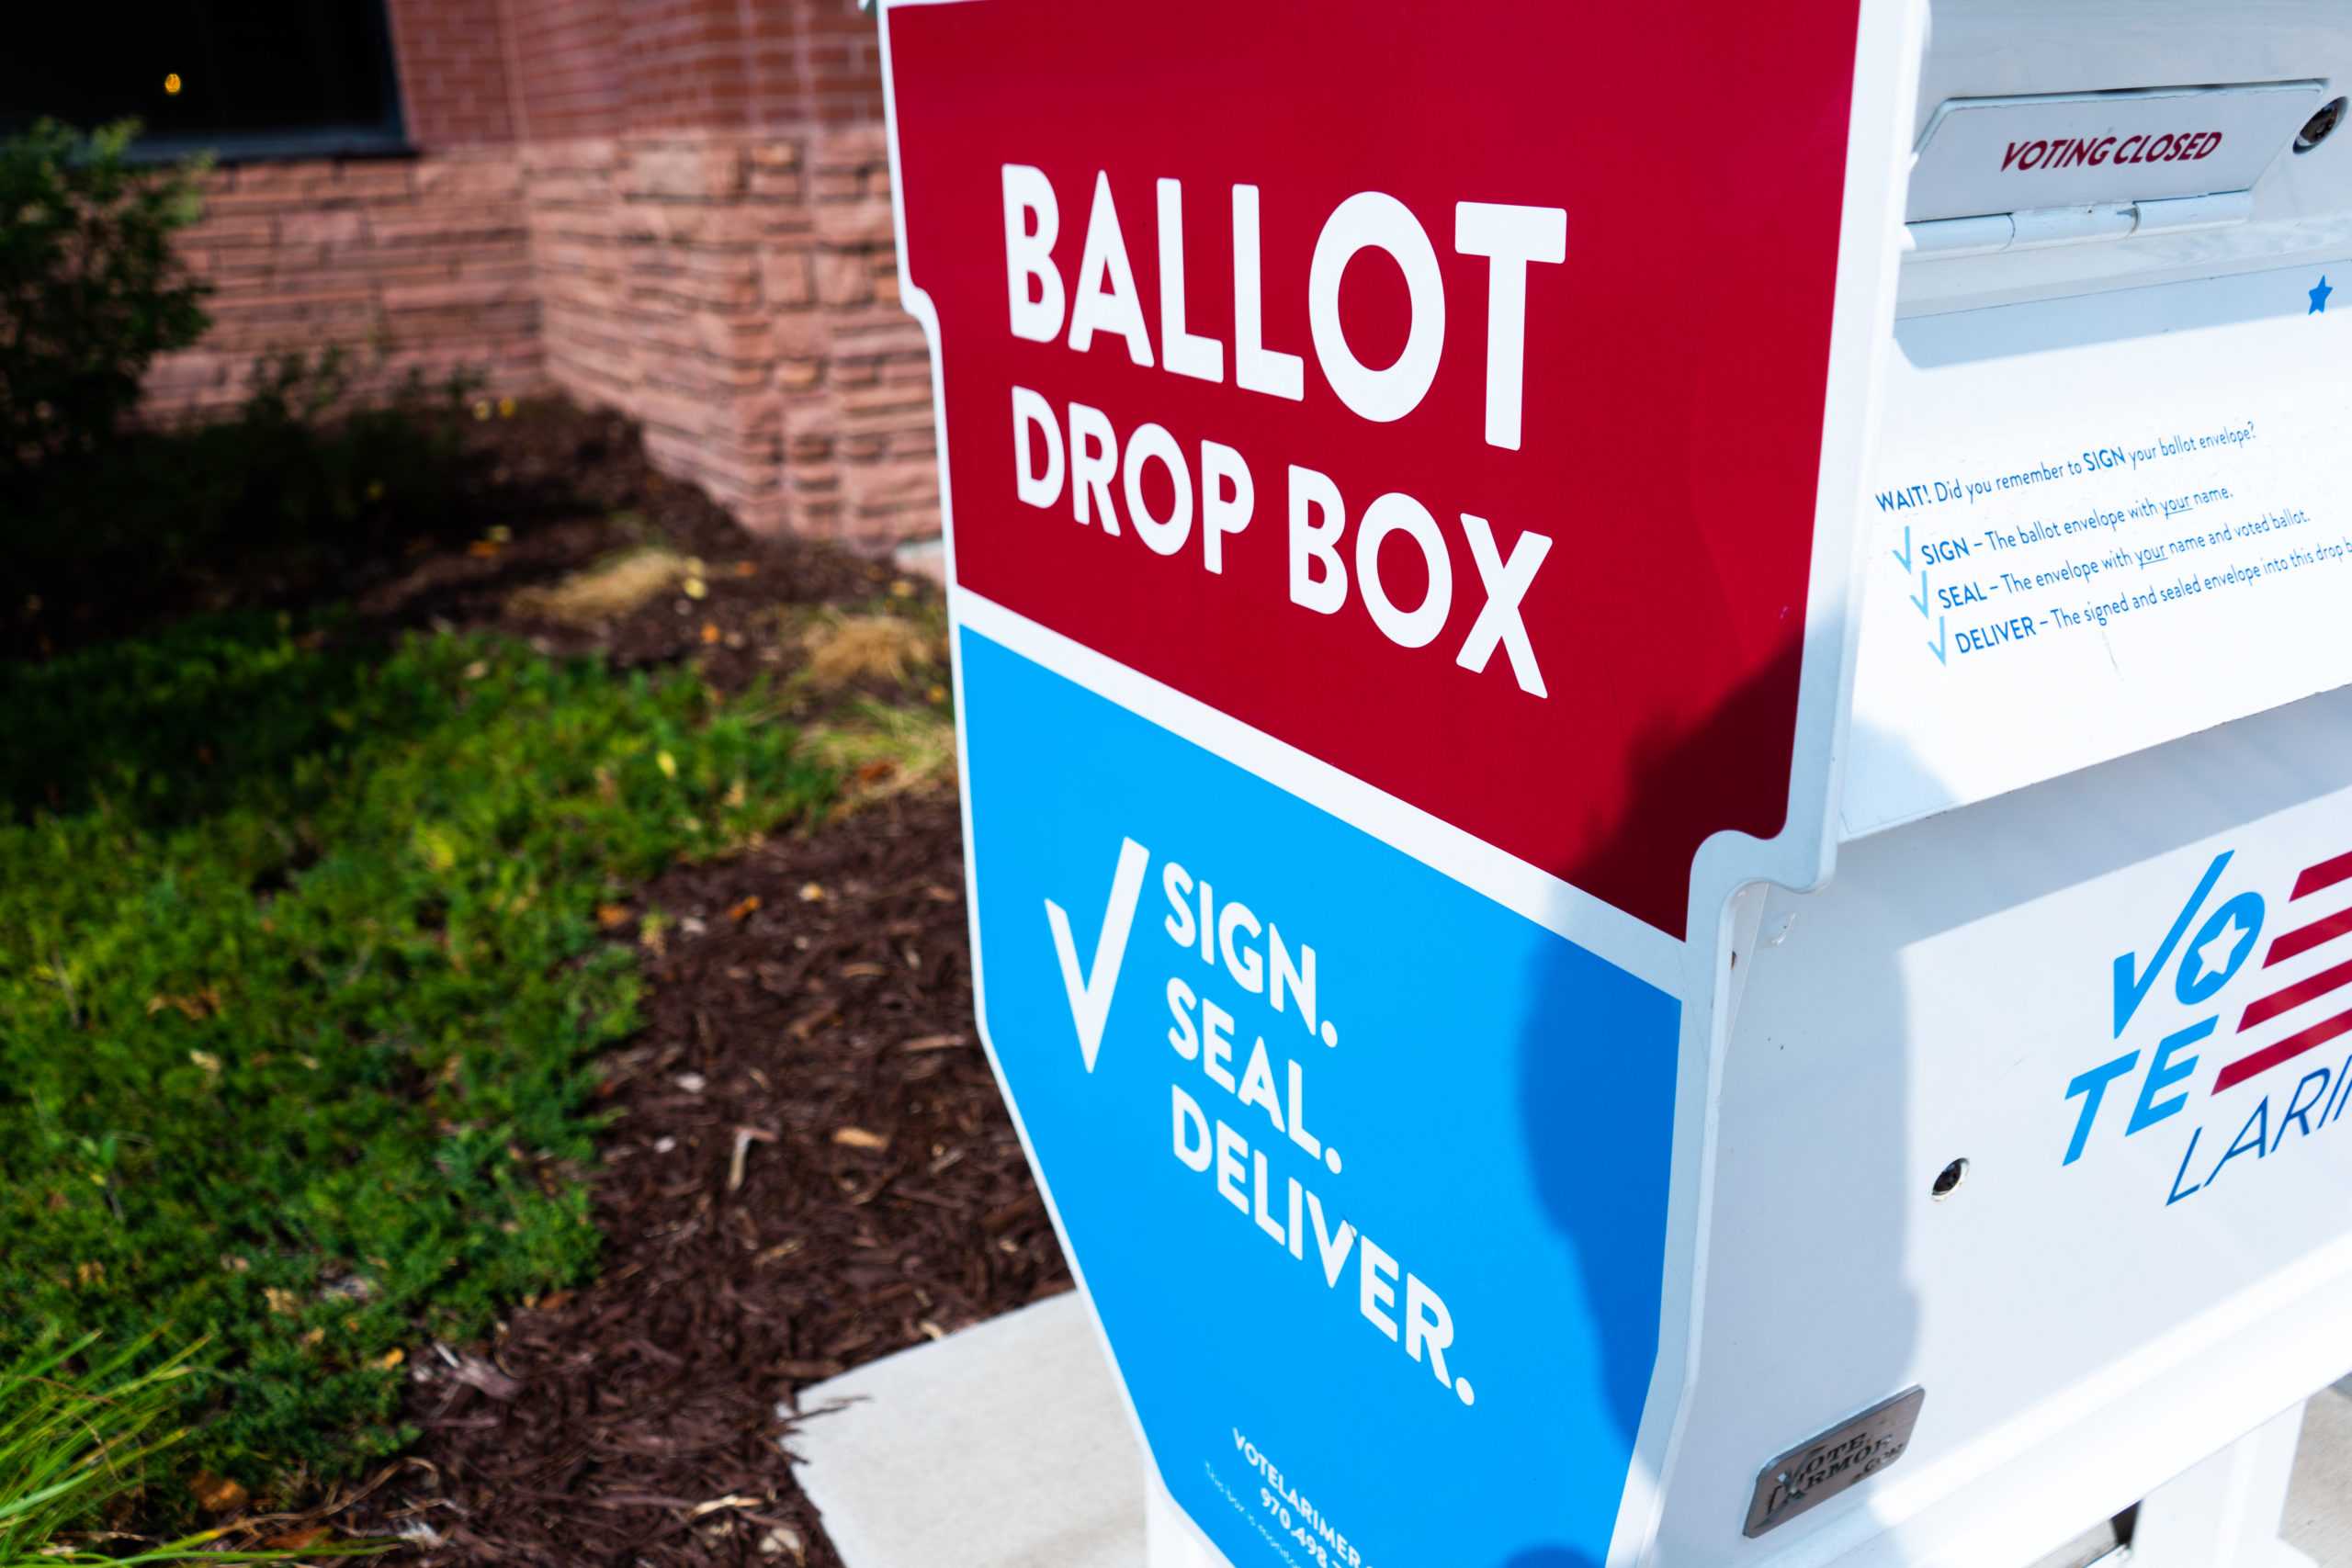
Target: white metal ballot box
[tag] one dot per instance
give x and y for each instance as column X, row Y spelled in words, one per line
column 1657, row 754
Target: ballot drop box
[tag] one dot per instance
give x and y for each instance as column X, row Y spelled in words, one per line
column 1656, row 761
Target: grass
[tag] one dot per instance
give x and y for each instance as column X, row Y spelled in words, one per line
column 882, row 750
column 75, row 1446
column 301, row 978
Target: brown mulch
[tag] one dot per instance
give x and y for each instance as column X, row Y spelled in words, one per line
column 810, row 1165
column 811, row 1168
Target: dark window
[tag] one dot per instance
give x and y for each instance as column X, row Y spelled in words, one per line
column 245, row 78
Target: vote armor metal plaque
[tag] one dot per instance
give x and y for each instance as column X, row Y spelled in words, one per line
column 1811, row 1473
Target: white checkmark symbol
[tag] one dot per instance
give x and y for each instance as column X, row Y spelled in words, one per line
column 1090, row 995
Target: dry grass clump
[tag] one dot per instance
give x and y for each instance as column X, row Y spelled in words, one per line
column 845, row 650
column 605, row 592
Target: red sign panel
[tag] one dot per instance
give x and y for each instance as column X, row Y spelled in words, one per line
column 1437, row 389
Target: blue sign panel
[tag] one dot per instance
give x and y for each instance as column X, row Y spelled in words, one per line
column 1366, row 1173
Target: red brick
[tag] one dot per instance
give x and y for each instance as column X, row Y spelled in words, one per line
column 470, row 179
column 739, row 292
column 586, row 154
column 231, row 231
column 785, row 278
column 701, row 223
column 862, row 221
column 458, row 291
column 386, row 180
column 798, row 335
column 843, row 277
column 853, row 146
column 447, row 224
column 685, row 172
column 323, row 226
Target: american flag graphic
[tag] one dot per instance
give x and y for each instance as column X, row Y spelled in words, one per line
column 2308, row 967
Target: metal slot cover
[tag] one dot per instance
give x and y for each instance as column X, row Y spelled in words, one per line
column 1990, row 155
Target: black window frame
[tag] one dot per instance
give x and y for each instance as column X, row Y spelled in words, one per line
column 384, row 136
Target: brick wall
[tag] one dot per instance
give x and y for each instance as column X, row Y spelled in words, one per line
column 739, row 294
column 679, row 208
column 453, row 59
column 709, row 204
column 840, row 61
column 575, row 85
column 408, row 265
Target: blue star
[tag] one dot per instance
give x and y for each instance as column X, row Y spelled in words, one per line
column 2319, row 298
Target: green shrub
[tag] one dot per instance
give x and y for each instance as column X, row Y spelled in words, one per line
column 300, row 481
column 91, row 289
column 301, row 978
column 304, row 466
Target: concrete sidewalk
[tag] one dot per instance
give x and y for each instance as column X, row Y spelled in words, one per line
column 2318, row 1505
column 1007, row 1445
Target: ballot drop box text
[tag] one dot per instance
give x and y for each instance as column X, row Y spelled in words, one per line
column 1658, row 798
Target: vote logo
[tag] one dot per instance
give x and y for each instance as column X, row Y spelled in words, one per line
column 2186, row 991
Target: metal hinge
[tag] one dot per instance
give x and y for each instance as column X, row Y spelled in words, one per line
column 1996, row 233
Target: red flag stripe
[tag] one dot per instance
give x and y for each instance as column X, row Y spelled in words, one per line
column 2287, row 1050
column 2327, row 873
column 2302, row 939
column 2262, row 1010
